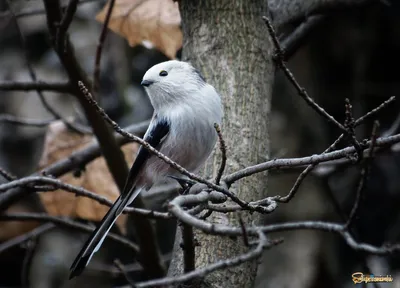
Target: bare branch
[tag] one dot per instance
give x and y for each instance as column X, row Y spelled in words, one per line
column 222, row 147
column 57, row 184
column 300, row 90
column 99, row 49
column 34, row 12
column 66, row 222
column 293, row 162
column 32, row 74
column 303, row 175
column 25, row 237
column 5, row 118
column 62, row 87
column 122, row 268
column 363, row 176
column 7, row 175
column 292, row 42
column 202, row 272
column 289, row 11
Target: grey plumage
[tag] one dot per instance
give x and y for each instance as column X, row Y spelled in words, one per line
column 182, row 128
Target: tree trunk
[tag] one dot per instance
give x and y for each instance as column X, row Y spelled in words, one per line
column 228, row 42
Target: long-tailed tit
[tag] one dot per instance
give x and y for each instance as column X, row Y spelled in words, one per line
column 182, row 128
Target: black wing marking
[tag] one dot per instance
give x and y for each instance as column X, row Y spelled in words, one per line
column 154, row 136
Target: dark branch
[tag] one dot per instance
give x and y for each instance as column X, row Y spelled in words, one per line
column 66, row 222
column 363, row 176
column 37, row 86
column 57, row 184
column 292, row 42
column 25, row 237
column 222, row 147
column 99, row 49
column 202, row 272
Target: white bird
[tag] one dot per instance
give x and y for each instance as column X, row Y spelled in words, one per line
column 182, row 128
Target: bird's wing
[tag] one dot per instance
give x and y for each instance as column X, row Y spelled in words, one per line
column 157, row 131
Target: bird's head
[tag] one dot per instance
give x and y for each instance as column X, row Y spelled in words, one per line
column 172, row 82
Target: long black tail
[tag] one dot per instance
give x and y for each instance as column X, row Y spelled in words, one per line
column 96, row 239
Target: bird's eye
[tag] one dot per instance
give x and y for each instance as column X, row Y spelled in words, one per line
column 163, row 73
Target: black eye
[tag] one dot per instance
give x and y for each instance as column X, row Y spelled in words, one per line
column 163, row 73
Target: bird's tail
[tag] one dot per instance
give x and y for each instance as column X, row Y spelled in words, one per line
column 93, row 244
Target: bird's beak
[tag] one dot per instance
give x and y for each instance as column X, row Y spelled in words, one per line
column 146, row 83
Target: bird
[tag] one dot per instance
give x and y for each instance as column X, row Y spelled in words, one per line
column 186, row 109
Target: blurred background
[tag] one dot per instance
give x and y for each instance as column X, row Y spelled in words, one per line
column 352, row 53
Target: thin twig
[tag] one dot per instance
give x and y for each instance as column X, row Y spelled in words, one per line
column 99, row 49
column 363, row 176
column 25, row 237
column 375, row 111
column 350, row 126
column 220, row 229
column 354, row 124
column 244, row 233
column 222, row 147
column 66, row 22
column 7, row 175
column 32, row 74
column 292, row 42
column 301, row 91
column 76, row 160
column 202, row 272
column 66, row 222
column 34, row 12
column 121, row 267
column 5, row 118
column 62, row 87
column 286, row 163
column 304, row 174
column 57, row 184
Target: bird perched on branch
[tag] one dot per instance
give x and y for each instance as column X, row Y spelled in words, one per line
column 186, row 108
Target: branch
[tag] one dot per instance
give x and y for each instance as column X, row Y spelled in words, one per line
column 99, row 49
column 62, row 87
column 32, row 74
column 292, row 42
column 7, row 175
column 66, row 222
column 202, row 272
column 57, row 184
column 5, row 118
column 300, row 90
column 25, row 237
column 218, row 229
column 363, row 176
column 34, row 12
column 289, row 11
column 315, row 159
column 222, row 147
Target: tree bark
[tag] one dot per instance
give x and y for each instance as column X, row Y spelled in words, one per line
column 228, row 42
